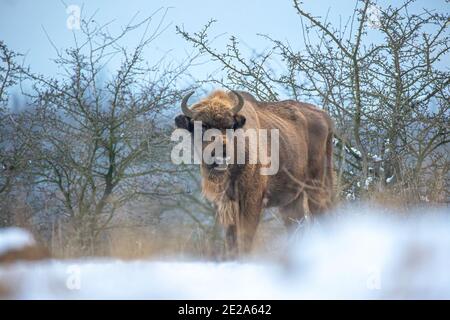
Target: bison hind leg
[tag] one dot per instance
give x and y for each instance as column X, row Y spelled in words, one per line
column 295, row 213
column 319, row 198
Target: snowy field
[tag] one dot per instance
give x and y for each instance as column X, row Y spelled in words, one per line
column 370, row 255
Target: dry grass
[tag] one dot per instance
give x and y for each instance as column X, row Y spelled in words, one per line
column 190, row 241
column 145, row 242
column 186, row 241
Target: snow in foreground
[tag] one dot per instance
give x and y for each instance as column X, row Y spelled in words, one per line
column 363, row 256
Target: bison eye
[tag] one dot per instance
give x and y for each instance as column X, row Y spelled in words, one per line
column 239, row 121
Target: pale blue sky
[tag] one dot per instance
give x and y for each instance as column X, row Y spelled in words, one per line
column 22, row 23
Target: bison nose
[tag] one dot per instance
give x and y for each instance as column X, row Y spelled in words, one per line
column 220, row 160
column 212, row 165
column 220, row 156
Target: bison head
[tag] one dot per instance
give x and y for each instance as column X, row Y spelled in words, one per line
column 219, row 111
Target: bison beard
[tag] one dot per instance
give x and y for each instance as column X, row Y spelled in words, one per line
column 240, row 193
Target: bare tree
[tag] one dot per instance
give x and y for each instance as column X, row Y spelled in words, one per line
column 14, row 152
column 10, row 159
column 100, row 136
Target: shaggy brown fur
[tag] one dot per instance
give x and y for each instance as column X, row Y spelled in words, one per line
column 240, row 193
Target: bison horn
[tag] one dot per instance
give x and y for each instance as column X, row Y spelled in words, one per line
column 187, row 112
column 240, row 103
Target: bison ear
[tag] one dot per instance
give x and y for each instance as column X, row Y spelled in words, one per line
column 184, row 122
column 239, row 121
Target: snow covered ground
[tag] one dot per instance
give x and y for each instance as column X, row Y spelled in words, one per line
column 362, row 254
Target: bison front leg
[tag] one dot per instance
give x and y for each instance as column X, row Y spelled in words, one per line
column 231, row 241
column 249, row 217
column 240, row 217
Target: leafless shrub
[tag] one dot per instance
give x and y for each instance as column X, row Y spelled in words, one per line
column 101, row 140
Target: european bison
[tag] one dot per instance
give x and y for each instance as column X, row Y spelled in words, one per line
column 239, row 191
